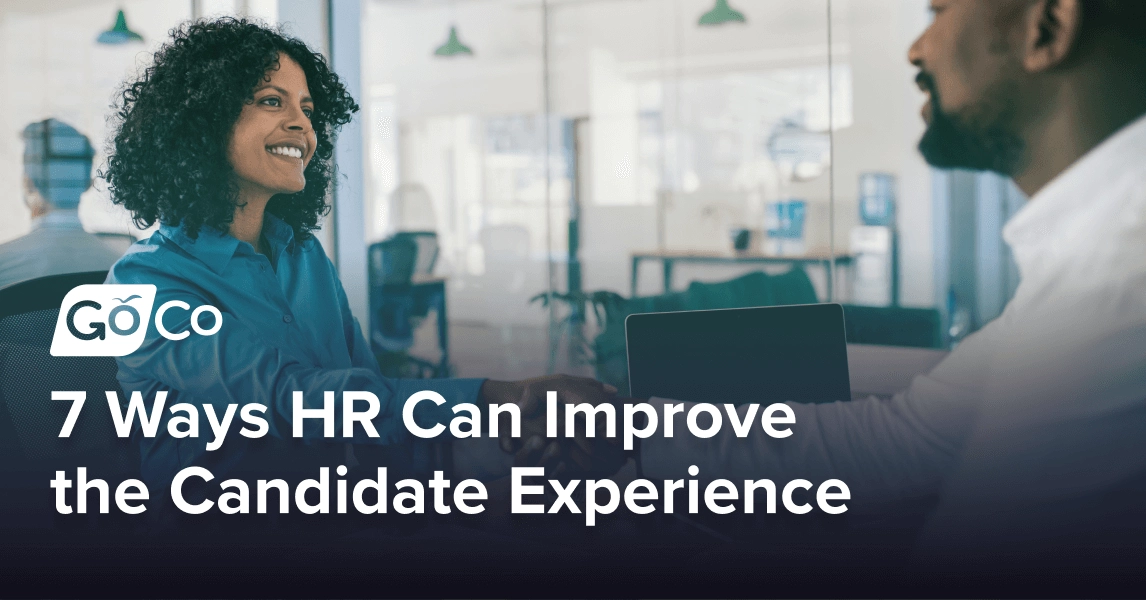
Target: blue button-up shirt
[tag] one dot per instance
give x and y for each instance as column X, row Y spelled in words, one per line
column 286, row 327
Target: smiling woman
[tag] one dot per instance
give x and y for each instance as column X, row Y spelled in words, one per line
column 212, row 124
column 226, row 141
column 271, row 145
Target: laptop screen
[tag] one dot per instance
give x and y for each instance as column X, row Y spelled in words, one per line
column 741, row 355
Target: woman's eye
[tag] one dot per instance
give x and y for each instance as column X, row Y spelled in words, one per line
column 308, row 112
column 271, row 101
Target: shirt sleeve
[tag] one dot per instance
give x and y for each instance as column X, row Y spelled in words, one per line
column 235, row 366
column 1055, row 461
column 885, row 450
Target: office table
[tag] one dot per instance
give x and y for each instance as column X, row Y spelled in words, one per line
column 669, row 258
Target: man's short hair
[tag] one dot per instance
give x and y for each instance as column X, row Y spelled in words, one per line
column 58, row 161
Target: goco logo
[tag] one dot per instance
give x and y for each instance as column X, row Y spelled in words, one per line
column 112, row 320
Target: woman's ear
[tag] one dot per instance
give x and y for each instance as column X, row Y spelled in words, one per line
column 1052, row 31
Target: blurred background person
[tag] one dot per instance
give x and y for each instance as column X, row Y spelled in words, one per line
column 57, row 170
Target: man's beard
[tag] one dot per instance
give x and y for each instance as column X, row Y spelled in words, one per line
column 979, row 144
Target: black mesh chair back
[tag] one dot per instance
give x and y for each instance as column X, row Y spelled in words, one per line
column 427, row 250
column 30, row 421
column 392, row 264
column 392, row 261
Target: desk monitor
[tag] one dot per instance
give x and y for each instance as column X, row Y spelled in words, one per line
column 740, row 355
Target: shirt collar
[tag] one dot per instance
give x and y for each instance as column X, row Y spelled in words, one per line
column 60, row 218
column 1073, row 206
column 216, row 248
column 279, row 234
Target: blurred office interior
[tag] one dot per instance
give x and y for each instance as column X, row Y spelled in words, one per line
column 525, row 172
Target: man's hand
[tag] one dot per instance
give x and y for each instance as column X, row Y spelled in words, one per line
column 599, row 456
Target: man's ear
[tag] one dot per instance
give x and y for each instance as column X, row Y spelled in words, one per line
column 32, row 198
column 30, row 189
column 1052, row 31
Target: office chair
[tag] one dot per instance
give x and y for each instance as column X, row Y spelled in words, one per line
column 30, row 446
column 426, row 256
column 398, row 303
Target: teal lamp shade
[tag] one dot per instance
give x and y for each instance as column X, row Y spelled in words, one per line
column 453, row 46
column 119, row 33
column 722, row 13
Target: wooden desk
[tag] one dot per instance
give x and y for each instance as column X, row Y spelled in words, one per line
column 670, row 258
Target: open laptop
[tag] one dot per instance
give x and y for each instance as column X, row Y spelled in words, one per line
column 740, row 355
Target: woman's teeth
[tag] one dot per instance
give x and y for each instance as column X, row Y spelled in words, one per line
column 285, row 151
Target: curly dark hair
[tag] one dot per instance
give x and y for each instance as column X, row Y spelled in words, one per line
column 168, row 159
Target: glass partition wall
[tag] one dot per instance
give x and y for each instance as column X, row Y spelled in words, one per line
column 569, row 150
column 566, row 150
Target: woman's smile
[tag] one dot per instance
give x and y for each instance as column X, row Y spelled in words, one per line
column 286, row 151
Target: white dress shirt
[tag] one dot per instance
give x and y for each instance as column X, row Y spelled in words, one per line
column 1039, row 415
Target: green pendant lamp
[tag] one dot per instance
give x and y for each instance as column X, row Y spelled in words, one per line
column 119, row 33
column 453, row 46
column 721, row 14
